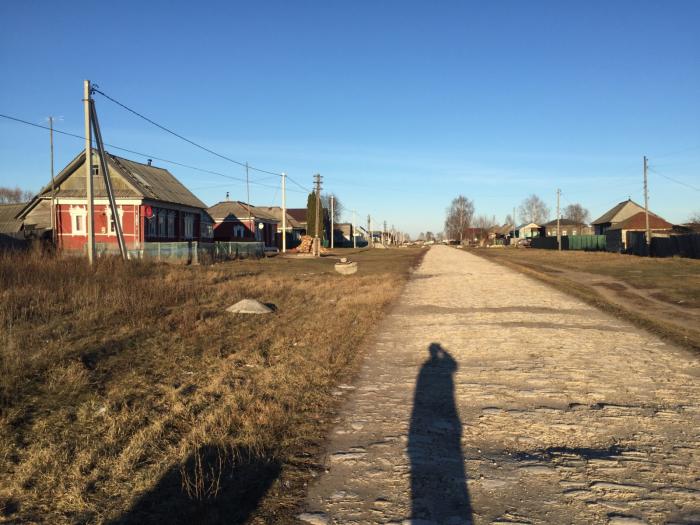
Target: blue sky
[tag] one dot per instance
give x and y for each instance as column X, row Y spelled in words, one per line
column 400, row 105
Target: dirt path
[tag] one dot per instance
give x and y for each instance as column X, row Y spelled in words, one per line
column 492, row 398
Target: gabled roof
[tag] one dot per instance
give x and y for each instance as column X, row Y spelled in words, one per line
column 8, row 217
column 528, row 225
column 130, row 179
column 239, row 210
column 299, row 214
column 276, row 211
column 610, row 216
column 638, row 222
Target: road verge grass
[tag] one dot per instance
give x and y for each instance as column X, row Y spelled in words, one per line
column 129, row 395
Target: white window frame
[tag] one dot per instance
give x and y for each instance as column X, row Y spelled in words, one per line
column 110, row 224
column 75, row 212
column 189, row 226
column 152, row 226
column 161, row 223
column 171, row 224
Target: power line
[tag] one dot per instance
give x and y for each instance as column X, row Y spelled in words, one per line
column 674, row 180
column 208, row 150
column 145, row 155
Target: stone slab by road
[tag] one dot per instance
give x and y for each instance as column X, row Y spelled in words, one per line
column 491, row 398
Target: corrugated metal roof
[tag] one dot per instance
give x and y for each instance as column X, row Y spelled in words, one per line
column 8, row 221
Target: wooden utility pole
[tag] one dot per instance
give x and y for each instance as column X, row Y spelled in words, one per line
column 251, row 222
column 370, row 241
column 332, row 221
column 646, row 208
column 384, row 240
column 354, row 233
column 108, row 181
column 284, row 213
column 90, row 198
column 513, row 219
column 317, row 238
column 53, row 188
column 558, row 222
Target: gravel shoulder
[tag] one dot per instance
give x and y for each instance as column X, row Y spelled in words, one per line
column 489, row 397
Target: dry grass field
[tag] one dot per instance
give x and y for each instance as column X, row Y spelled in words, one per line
column 129, row 395
column 662, row 295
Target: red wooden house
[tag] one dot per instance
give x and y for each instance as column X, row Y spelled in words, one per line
column 237, row 221
column 152, row 204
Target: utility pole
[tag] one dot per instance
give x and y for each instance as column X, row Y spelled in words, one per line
column 354, row 233
column 646, row 208
column 370, row 241
column 90, row 198
column 513, row 218
column 284, row 213
column 384, row 235
column 332, row 221
column 317, row 239
column 558, row 221
column 108, row 181
column 53, row 188
column 251, row 222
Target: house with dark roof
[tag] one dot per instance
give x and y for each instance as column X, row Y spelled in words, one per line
column 237, row 221
column 153, row 206
column 9, row 223
column 617, row 213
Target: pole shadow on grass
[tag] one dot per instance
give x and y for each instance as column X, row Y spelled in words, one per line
column 439, row 491
column 241, row 486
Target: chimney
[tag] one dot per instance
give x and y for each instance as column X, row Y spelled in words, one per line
column 149, row 161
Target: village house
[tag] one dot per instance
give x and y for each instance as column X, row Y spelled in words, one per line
column 236, row 221
column 527, row 231
column 153, row 206
column 637, row 223
column 567, row 226
column 616, row 214
column 294, row 228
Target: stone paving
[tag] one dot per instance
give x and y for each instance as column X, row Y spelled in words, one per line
column 491, row 398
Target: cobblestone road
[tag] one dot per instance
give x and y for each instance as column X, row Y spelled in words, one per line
column 491, row 398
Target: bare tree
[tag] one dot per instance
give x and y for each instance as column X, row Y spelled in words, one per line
column 421, row 236
column 509, row 220
column 429, row 236
column 337, row 205
column 577, row 213
column 12, row 196
column 459, row 217
column 694, row 218
column 533, row 209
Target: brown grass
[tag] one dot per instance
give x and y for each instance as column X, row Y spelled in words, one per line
column 129, row 395
column 661, row 295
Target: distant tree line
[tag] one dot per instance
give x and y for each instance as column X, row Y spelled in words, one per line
column 14, row 195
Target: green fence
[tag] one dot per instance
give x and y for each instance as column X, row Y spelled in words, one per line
column 190, row 252
column 571, row 242
column 587, row 242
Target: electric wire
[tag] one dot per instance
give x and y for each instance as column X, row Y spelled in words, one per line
column 145, row 155
column 674, row 180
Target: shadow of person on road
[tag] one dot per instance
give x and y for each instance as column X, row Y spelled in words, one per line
column 438, row 479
